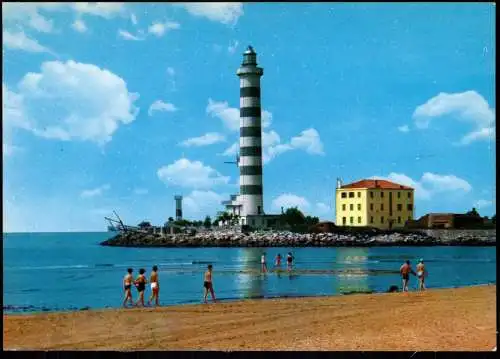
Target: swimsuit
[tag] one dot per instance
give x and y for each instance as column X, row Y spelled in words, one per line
column 127, row 287
column 207, row 285
column 141, row 287
column 154, row 286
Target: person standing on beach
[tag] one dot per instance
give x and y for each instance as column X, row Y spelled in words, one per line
column 277, row 262
column 155, row 286
column 289, row 261
column 127, row 285
column 140, row 283
column 421, row 274
column 405, row 271
column 263, row 263
column 208, row 285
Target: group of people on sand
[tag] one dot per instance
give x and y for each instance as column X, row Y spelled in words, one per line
column 141, row 281
column 140, row 284
column 277, row 262
column 421, row 273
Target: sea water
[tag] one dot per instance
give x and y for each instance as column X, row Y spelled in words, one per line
column 71, row 271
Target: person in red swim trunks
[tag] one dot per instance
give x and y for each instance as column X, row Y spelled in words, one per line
column 405, row 271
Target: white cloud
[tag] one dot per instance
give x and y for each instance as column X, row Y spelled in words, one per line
column 404, row 128
column 19, row 41
column 230, row 116
column 226, row 13
column 159, row 29
column 482, row 203
column 189, row 174
column 141, row 191
column 322, row 208
column 288, row 200
column 128, row 36
column 430, row 184
column 30, row 14
column 200, row 203
column 170, row 71
column 207, row 139
column 309, row 141
column 467, row 106
column 232, row 150
column 101, row 9
column 88, row 193
column 133, row 19
column 49, row 103
column 79, row 25
column 161, row 106
column 232, row 48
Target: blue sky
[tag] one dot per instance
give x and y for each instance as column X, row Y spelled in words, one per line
column 122, row 106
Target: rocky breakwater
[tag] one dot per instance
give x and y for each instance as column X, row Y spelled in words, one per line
column 289, row 239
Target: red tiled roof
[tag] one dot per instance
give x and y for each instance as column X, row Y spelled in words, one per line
column 372, row 183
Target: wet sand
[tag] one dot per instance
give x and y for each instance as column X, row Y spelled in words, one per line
column 442, row 319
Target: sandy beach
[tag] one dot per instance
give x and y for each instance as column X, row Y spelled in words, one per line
column 441, row 319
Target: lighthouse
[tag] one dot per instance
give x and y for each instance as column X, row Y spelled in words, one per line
column 250, row 158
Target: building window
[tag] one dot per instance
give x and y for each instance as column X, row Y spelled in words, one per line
column 381, row 194
column 351, row 219
column 409, row 207
column 359, row 206
column 399, row 219
column 344, row 221
column 409, row 195
column 351, row 207
column 359, row 194
column 371, row 219
column 351, row 194
column 343, row 195
column 400, row 206
column 258, row 210
column 371, row 194
column 399, row 194
column 382, row 207
column 359, row 219
column 343, row 207
column 371, row 206
column 382, row 219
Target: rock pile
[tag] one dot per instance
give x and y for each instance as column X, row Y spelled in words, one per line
column 289, row 239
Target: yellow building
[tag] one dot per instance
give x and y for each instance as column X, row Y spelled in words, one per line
column 374, row 203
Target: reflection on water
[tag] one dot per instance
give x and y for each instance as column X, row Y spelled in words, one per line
column 355, row 260
column 251, row 285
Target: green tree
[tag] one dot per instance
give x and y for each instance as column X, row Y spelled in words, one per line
column 170, row 219
column 473, row 212
column 494, row 219
column 208, row 222
column 144, row 225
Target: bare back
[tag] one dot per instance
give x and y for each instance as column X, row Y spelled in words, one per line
column 208, row 276
column 128, row 279
column 154, row 277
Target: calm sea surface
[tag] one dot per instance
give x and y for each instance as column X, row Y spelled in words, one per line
column 61, row 271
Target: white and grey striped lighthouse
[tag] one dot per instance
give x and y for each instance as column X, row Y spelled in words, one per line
column 250, row 161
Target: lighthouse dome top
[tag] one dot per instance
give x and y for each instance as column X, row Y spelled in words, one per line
column 249, row 50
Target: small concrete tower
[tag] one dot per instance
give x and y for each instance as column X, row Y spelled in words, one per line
column 178, row 208
column 250, row 162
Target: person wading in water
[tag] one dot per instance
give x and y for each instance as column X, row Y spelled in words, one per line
column 263, row 263
column 127, row 285
column 208, row 285
column 155, row 287
column 405, row 271
column 140, row 283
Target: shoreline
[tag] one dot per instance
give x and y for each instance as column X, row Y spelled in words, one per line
column 449, row 319
column 224, row 300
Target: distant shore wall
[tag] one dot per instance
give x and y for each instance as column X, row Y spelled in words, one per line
column 288, row 239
